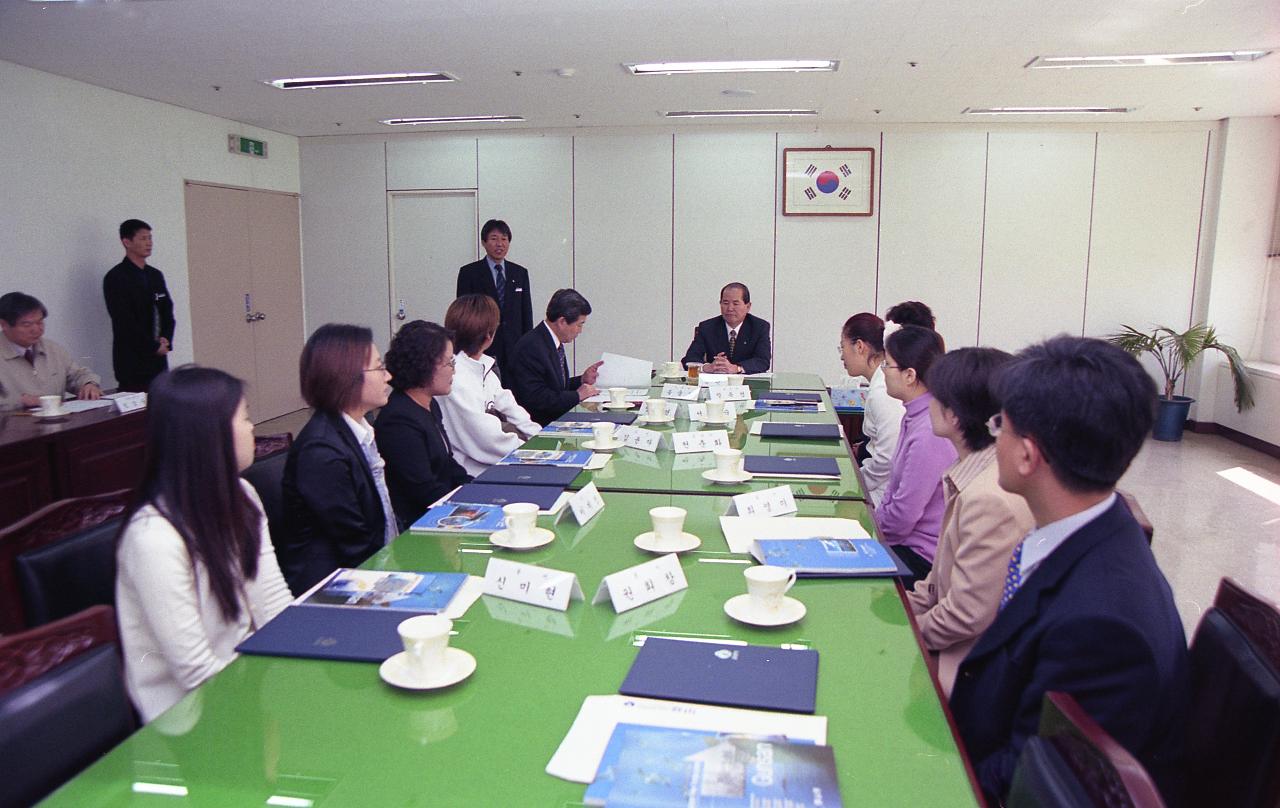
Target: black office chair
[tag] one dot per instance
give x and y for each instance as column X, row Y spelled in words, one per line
column 267, row 476
column 65, row 705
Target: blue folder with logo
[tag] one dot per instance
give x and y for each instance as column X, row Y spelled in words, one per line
column 800, row 431
column 782, row 397
column 323, row 632
column 611, row 417
column 753, row 676
column 523, row 474
column 789, row 466
column 481, row 493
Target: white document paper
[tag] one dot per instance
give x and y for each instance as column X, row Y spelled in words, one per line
column 623, row 371
column 467, row 594
column 634, row 394
column 598, row 461
column 742, row 531
column 579, row 754
column 76, row 405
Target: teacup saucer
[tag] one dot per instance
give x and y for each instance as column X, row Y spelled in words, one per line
column 648, row 419
column 52, row 417
column 740, row 609
column 720, row 420
column 458, row 665
column 714, row 475
column 648, row 542
column 626, row 405
column 597, row 447
column 672, row 375
column 541, row 537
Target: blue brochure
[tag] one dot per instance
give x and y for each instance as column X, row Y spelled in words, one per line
column 483, row 493
column 784, row 406
column 523, row 474
column 547, row 457
column 460, row 517
column 800, row 431
column 650, row 767
column 588, row 417
column 783, row 397
column 828, row 557
column 419, row 592
column 753, row 676
column 788, row 466
column 321, row 632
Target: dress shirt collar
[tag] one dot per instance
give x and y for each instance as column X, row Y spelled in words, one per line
column 732, row 328
column 361, row 429
column 14, row 351
column 552, row 332
column 482, row 367
column 493, row 268
column 1044, row 540
column 966, row 470
column 877, row 378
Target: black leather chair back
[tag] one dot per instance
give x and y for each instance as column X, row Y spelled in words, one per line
column 1235, row 722
column 266, row 476
column 54, row 726
column 69, row 575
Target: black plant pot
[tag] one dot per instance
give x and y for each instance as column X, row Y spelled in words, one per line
column 1171, row 417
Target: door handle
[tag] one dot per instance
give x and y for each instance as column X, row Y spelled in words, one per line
column 253, row 317
column 400, row 314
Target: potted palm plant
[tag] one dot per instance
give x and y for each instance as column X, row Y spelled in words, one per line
column 1174, row 352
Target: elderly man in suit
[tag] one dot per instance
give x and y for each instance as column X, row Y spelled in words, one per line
column 507, row 283
column 735, row 342
column 539, row 369
column 1085, row 609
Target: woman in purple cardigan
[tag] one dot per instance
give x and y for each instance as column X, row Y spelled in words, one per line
column 909, row 516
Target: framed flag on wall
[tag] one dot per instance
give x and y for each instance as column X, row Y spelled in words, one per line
column 828, row 182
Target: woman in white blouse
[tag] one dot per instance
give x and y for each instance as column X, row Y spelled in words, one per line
column 482, row 418
column 196, row 570
column 862, row 351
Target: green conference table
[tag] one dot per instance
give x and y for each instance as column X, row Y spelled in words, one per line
column 293, row 732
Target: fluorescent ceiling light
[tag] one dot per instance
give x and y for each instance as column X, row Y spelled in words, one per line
column 1045, row 110
column 453, row 119
column 758, row 66
column 289, row 802
column 740, row 113
column 359, row 81
column 1146, row 60
column 160, row 788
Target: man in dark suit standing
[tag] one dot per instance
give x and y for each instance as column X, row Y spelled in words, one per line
column 1085, row 609
column 141, row 311
column 507, row 283
column 735, row 342
column 540, row 376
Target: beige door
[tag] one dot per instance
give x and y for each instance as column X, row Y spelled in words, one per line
column 245, row 265
column 432, row 234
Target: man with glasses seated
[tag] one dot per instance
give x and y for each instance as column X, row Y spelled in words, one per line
column 540, row 369
column 32, row 366
column 735, row 342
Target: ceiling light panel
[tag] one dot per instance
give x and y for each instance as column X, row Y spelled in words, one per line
column 757, row 66
column 740, row 113
column 1046, row 110
column 453, row 119
column 1147, row 60
column 368, row 80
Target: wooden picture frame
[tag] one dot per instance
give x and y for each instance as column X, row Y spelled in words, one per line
column 828, row 182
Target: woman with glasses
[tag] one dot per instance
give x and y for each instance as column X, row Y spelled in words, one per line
column 862, row 352
column 981, row 524
column 411, row 432
column 335, row 497
column 910, row 512
column 483, row 419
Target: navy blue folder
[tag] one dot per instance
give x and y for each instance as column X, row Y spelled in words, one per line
column 753, row 676
column 527, row 474
column 764, row 465
column 779, row 396
column 612, row 417
column 327, row 632
column 484, row 494
column 801, row 431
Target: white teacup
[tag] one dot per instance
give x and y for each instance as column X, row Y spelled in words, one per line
column 727, row 411
column 735, row 379
column 50, row 405
column 617, row 396
column 767, row 585
column 425, row 638
column 668, row 523
column 656, row 409
column 671, row 369
column 602, row 432
column 728, row 461
column 521, row 517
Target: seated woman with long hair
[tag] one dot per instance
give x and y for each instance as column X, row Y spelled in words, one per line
column 335, row 499
column 862, row 352
column 484, row 421
column 196, row 570
column 982, row 523
column 411, row 433
column 910, row 512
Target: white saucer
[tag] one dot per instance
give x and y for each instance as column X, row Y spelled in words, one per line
column 721, row 420
column 51, row 418
column 458, row 665
column 541, row 536
column 595, row 447
column 626, row 405
column 713, row 475
column 645, row 419
column 688, row 541
column 739, row 608
column 675, row 376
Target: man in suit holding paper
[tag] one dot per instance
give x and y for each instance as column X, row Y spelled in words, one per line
column 735, row 342
column 1085, row 609
column 539, row 368
column 507, row 283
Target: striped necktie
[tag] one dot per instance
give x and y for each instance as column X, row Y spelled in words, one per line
column 564, row 367
column 733, row 340
column 501, row 283
column 30, row 356
column 1012, row 579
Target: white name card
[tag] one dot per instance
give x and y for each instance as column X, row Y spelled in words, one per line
column 712, row 379
column 528, row 583
column 776, row 501
column 585, row 504
column 680, row 392
column 645, row 440
column 130, row 402
column 705, row 441
column 643, row 583
column 724, row 392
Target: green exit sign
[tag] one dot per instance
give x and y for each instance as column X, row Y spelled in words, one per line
column 237, row 144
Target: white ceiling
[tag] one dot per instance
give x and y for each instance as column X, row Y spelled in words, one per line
column 505, row 54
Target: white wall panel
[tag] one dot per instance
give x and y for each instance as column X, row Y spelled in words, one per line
column 1146, row 223
column 622, row 226
column 931, row 226
column 1037, row 234
column 528, row 183
column 826, row 269
column 724, row 202
column 431, row 162
column 344, row 235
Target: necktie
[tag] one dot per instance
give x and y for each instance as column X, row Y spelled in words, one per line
column 1013, row 579
column 30, row 356
column 564, row 368
column 502, row 285
column 733, row 340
